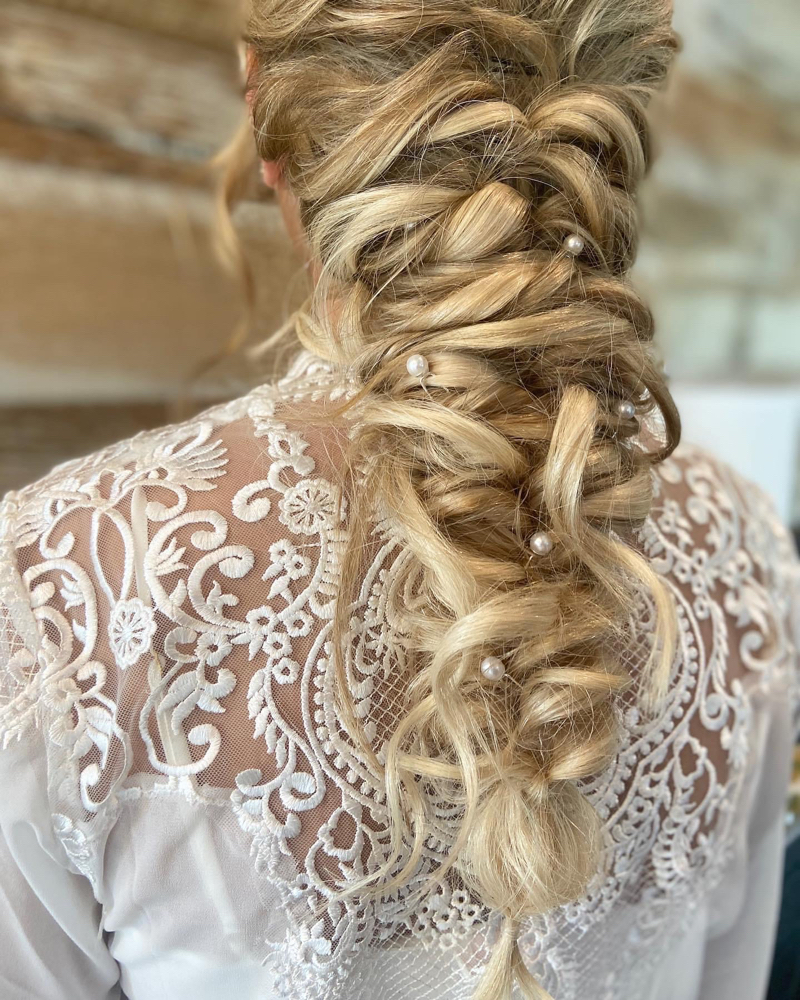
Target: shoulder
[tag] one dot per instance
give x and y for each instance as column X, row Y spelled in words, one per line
column 193, row 455
column 733, row 565
column 92, row 552
column 703, row 503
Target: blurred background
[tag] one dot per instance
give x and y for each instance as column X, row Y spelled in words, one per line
column 110, row 296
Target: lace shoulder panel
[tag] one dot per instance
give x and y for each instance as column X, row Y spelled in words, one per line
column 167, row 606
column 127, row 577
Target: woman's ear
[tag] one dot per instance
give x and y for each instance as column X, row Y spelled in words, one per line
column 247, row 61
column 271, row 173
column 270, row 169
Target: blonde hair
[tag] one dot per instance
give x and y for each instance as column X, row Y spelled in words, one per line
column 441, row 152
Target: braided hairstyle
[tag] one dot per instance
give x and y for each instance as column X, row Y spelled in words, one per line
column 441, row 153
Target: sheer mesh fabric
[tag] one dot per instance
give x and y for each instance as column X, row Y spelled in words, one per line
column 166, row 610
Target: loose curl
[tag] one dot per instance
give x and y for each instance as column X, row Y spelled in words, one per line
column 441, row 152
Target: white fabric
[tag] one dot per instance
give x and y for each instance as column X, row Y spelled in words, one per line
column 177, row 795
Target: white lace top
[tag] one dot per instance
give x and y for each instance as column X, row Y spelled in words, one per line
column 177, row 797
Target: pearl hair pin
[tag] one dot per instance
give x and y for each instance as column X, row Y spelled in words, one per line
column 418, row 366
column 626, row 409
column 542, row 544
column 574, row 245
column 493, row 669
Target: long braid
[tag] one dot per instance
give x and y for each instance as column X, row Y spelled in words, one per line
column 442, row 153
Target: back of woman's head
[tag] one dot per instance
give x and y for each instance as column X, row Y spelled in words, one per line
column 442, row 153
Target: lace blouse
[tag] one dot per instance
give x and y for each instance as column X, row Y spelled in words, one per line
column 178, row 798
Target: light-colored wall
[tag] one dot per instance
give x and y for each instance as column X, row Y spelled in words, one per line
column 721, row 258
column 721, row 255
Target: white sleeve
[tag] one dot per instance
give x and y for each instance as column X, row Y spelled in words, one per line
column 746, row 906
column 739, row 952
column 51, row 941
column 52, row 945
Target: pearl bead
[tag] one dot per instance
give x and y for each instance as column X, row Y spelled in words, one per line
column 417, row 365
column 493, row 668
column 541, row 544
column 574, row 245
column 626, row 410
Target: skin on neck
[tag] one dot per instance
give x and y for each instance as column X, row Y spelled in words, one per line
column 289, row 206
column 273, row 176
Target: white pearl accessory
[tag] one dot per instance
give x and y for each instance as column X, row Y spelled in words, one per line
column 493, row 669
column 574, row 245
column 417, row 365
column 626, row 409
column 542, row 544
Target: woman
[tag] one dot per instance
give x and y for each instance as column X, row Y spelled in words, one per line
column 433, row 670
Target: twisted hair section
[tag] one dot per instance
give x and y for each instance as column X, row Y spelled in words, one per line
column 441, row 154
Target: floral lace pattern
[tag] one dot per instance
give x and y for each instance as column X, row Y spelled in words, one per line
column 168, row 604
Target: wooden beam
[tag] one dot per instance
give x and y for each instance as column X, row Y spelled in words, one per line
column 111, row 289
column 716, row 118
column 213, row 23
column 147, row 94
column 33, row 439
column 45, row 144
